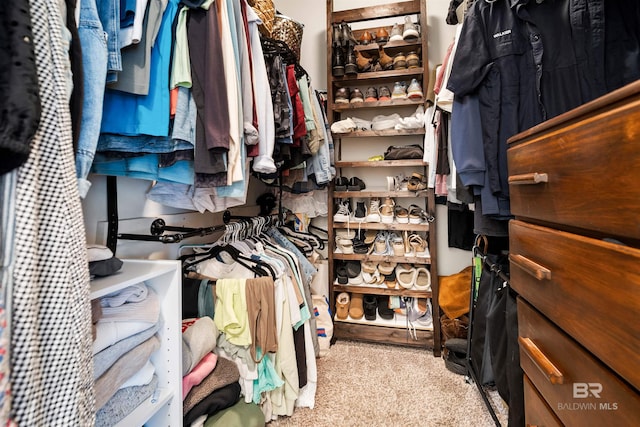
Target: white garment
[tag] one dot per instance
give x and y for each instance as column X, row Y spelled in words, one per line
column 307, row 395
column 133, row 33
column 430, row 146
column 231, row 78
column 264, row 105
column 110, row 332
column 142, row 377
column 444, row 99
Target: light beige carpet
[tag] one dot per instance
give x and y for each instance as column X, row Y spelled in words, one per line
column 363, row 384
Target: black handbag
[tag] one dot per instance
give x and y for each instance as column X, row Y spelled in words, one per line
column 398, row 152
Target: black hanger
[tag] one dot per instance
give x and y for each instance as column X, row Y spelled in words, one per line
column 216, row 250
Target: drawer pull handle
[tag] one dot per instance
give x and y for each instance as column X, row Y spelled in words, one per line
column 536, row 270
column 528, row 178
column 541, row 361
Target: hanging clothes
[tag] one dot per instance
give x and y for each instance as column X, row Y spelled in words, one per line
column 53, row 380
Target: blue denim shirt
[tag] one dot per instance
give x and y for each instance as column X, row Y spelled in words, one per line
column 92, row 39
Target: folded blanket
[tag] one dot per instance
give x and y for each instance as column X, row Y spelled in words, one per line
column 130, row 363
column 124, row 402
column 144, row 310
column 107, row 357
column 133, row 293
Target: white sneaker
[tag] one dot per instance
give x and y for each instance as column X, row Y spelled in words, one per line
column 414, row 91
column 343, row 214
column 374, row 211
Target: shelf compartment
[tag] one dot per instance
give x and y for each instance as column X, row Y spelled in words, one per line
column 381, row 226
column 380, row 258
column 398, row 322
column 376, row 133
column 396, row 44
column 381, row 163
column 377, row 104
column 149, row 409
column 381, row 334
column 382, row 11
column 371, row 76
column 379, row 193
column 380, row 290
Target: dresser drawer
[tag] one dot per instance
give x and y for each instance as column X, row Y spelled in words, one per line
column 589, row 288
column 578, row 388
column 537, row 412
column 592, row 168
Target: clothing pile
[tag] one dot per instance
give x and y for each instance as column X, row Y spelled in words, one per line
column 125, row 324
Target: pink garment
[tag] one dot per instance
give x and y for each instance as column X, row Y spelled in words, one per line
column 200, row 372
column 442, row 69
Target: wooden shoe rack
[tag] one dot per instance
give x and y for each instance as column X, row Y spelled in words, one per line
column 352, row 151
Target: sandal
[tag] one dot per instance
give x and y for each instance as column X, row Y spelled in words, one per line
column 406, row 275
column 415, row 184
column 342, row 306
column 402, row 215
column 416, row 214
column 369, row 267
column 386, row 267
column 419, row 246
column 423, row 279
column 344, row 246
column 386, row 211
column 397, row 245
column 390, row 280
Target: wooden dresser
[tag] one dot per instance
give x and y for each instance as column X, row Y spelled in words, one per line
column 575, row 262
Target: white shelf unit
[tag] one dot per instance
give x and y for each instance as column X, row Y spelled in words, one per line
column 164, row 408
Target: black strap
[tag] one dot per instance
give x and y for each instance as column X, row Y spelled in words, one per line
column 112, row 213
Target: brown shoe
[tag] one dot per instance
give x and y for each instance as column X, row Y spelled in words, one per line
column 356, row 307
column 386, row 62
column 413, row 61
column 366, row 38
column 399, row 62
column 382, row 35
column 364, row 63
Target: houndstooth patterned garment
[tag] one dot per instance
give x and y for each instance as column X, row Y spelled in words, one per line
column 52, row 371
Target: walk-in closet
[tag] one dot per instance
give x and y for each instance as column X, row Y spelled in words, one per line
column 250, row 213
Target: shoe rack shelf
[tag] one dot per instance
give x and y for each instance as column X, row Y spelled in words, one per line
column 379, row 76
column 381, row 193
column 379, row 258
column 374, row 133
column 379, row 290
column 353, row 225
column 394, row 103
column 394, row 331
column 380, row 164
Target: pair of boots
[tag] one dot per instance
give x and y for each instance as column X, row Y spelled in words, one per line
column 383, row 63
column 344, row 57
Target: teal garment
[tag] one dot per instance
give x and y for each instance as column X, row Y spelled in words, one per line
column 181, row 66
column 268, row 378
column 239, row 415
column 303, row 84
column 206, row 306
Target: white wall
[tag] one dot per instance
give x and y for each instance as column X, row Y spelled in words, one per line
column 313, row 57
